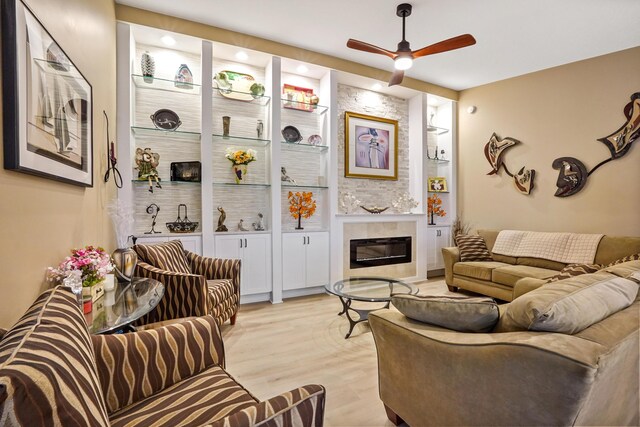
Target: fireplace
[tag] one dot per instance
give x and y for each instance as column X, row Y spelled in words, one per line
column 380, row 251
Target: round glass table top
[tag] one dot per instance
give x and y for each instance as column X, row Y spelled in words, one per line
column 371, row 289
column 126, row 303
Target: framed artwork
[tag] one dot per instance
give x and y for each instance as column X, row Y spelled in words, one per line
column 437, row 184
column 297, row 98
column 371, row 147
column 48, row 104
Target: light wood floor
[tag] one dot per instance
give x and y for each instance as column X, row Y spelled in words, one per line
column 277, row 347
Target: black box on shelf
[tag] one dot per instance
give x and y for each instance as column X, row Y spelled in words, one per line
column 186, row 171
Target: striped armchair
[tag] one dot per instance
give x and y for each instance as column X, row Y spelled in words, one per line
column 194, row 285
column 52, row 372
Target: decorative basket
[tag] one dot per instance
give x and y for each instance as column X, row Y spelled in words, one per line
column 182, row 225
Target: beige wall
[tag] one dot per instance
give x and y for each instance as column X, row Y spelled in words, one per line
column 556, row 112
column 41, row 219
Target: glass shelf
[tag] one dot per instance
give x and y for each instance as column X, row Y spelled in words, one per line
column 438, row 192
column 303, row 107
column 237, row 96
column 438, row 160
column 156, row 83
column 179, row 135
column 295, row 146
column 163, row 182
column 240, row 140
column 437, row 130
column 233, row 184
column 317, row 187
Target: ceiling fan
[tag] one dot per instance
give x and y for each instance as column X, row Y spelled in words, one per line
column 404, row 56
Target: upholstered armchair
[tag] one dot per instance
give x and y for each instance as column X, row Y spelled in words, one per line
column 194, row 285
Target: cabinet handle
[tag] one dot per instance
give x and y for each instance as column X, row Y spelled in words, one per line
column 308, row 240
column 241, row 243
column 245, row 243
column 304, row 240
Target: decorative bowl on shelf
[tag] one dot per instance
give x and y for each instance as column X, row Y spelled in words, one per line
column 291, row 134
column 315, row 140
column 166, row 119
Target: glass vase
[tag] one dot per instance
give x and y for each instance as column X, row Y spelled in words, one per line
column 124, row 261
column 239, row 172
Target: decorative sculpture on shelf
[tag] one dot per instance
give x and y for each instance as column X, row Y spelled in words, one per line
column 573, row 174
column 286, row 178
column 404, row 203
column 147, row 67
column 241, row 226
column 146, row 163
column 494, row 151
column 221, row 219
column 153, row 210
column 348, row 202
column 183, row 78
column 375, row 209
column 260, row 129
column 259, row 225
column 301, row 205
column 434, row 207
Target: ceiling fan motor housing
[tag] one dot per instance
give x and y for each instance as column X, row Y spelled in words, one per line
column 403, row 10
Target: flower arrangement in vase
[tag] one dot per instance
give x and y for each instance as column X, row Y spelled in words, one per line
column 434, row 207
column 240, row 159
column 301, row 205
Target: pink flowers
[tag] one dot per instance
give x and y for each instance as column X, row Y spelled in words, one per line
column 93, row 263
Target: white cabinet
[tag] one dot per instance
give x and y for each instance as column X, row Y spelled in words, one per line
column 254, row 252
column 305, row 260
column 438, row 237
column 190, row 243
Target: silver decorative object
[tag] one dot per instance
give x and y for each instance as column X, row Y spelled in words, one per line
column 124, row 261
column 348, row 202
column 241, row 226
column 260, row 129
column 284, row 177
column 259, row 225
column 147, row 67
column 404, row 203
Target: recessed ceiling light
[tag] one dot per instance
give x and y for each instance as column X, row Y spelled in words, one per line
column 242, row 56
column 168, row 40
column 302, row 69
column 376, row 86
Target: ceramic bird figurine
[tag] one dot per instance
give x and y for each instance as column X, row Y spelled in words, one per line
column 494, row 150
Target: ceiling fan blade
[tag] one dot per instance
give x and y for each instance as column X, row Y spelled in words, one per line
column 446, row 45
column 366, row 47
column 396, row 78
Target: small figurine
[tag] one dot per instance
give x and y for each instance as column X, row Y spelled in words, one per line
column 286, row 178
column 259, row 226
column 146, row 163
column 221, row 218
column 241, row 226
column 260, row 129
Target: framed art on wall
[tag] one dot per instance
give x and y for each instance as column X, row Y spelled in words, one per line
column 437, row 184
column 371, row 147
column 47, row 111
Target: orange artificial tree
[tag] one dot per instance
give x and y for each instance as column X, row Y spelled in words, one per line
column 434, row 207
column 301, row 205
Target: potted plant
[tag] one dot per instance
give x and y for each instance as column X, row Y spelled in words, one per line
column 301, row 205
column 434, row 207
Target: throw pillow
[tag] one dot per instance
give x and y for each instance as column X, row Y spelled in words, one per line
column 472, row 248
column 167, row 256
column 634, row 257
column 569, row 306
column 460, row 313
column 573, row 270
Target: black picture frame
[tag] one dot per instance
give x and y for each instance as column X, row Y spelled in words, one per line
column 47, row 102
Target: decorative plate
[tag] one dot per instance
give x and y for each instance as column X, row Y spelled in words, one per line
column 165, row 119
column 238, row 86
column 315, row 140
column 291, row 134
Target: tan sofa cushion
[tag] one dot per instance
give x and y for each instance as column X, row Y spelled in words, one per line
column 570, row 305
column 510, row 274
column 624, row 269
column 460, row 313
column 612, row 248
column 542, row 263
column 477, row 269
column 504, row 258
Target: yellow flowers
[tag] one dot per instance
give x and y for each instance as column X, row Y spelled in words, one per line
column 241, row 157
column 433, row 205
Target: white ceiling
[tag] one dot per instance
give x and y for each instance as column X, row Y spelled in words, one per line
column 514, row 37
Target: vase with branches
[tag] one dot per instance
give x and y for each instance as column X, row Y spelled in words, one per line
column 434, row 207
column 301, row 205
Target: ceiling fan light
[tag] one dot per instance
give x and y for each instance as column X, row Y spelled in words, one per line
column 403, row 62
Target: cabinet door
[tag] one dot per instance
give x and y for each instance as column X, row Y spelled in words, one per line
column 293, row 260
column 317, row 259
column 192, row 244
column 432, row 242
column 256, row 264
column 442, row 241
column 228, row 246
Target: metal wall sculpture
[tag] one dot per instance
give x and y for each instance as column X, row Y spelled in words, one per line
column 494, row 151
column 573, row 173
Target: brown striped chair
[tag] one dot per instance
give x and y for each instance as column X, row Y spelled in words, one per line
column 54, row 373
column 194, row 285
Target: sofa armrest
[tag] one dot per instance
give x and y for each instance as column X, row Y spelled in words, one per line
column 303, row 406
column 215, row 268
column 417, row 359
column 136, row 365
column 526, row 284
column 451, row 255
column 185, row 295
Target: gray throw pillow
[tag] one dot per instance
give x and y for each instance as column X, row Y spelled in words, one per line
column 460, row 313
column 569, row 306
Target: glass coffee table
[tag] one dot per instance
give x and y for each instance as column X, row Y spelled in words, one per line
column 366, row 289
